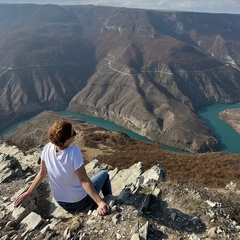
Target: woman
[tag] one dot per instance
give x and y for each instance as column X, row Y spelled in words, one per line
column 64, row 166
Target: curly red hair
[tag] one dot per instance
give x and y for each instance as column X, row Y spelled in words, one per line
column 59, row 133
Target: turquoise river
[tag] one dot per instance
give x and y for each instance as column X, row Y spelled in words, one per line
column 230, row 140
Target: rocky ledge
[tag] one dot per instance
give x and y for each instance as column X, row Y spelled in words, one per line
column 144, row 205
column 232, row 118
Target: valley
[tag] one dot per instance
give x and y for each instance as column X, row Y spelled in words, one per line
column 145, row 70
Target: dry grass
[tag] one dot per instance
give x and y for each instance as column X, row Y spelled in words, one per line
column 207, row 169
column 117, row 149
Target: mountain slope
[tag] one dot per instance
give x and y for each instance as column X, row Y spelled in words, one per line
column 145, row 70
column 45, row 59
column 142, row 54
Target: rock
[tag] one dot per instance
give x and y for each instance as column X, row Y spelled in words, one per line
column 231, row 186
column 138, row 211
column 145, row 204
column 135, row 228
column 173, row 216
column 118, row 236
column 57, row 211
column 121, row 179
column 116, row 218
column 211, row 204
column 19, row 214
column 67, row 234
column 30, row 178
column 124, row 194
column 10, row 168
column 32, row 221
column 93, row 167
column 156, row 173
column 135, row 236
column 143, row 231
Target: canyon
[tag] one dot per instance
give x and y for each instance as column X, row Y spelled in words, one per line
column 145, row 70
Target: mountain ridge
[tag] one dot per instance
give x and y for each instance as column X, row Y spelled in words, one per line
column 145, row 70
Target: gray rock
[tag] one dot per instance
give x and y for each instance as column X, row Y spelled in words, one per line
column 30, row 178
column 173, row 216
column 143, row 231
column 118, row 236
column 156, row 173
column 124, row 220
column 67, row 234
column 135, row 228
column 91, row 221
column 93, row 167
column 116, row 218
column 1, row 214
column 145, row 204
column 135, row 236
column 126, row 177
column 19, row 214
column 211, row 204
column 33, row 220
column 10, row 168
column 57, row 211
column 124, row 194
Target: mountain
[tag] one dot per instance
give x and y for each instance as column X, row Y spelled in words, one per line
column 145, row 70
column 45, row 60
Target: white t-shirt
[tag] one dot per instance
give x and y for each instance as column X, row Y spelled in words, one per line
column 61, row 166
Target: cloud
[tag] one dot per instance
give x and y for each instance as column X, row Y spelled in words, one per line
column 222, row 6
column 230, row 6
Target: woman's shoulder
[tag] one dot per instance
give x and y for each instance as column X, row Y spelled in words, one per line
column 49, row 145
column 74, row 149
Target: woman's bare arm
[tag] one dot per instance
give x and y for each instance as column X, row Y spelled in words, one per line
column 89, row 188
column 37, row 180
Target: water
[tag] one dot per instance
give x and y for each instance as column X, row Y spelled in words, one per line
column 12, row 127
column 105, row 124
column 113, row 127
column 230, row 140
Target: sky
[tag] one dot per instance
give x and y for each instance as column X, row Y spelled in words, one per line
column 213, row 6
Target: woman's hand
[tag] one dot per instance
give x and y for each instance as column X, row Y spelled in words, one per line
column 103, row 208
column 23, row 198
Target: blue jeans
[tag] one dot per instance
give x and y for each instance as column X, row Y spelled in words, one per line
column 101, row 183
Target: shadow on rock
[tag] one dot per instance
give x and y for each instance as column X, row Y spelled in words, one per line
column 174, row 218
column 157, row 212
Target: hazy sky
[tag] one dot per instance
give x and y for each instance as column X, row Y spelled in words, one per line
column 217, row 6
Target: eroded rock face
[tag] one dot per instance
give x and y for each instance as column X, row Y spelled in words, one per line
column 177, row 127
column 10, row 168
column 232, row 118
